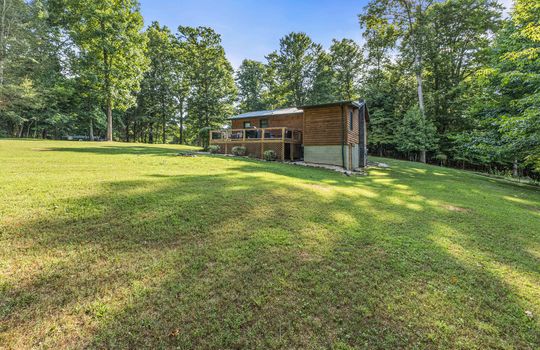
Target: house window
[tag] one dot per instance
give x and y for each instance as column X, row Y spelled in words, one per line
column 264, row 123
column 247, row 125
column 350, row 120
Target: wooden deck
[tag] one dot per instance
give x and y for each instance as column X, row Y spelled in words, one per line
column 257, row 140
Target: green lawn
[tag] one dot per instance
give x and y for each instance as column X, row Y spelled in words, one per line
column 109, row 245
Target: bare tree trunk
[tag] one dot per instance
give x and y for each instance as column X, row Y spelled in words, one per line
column 515, row 172
column 420, row 99
column 109, row 121
column 163, row 136
column 91, row 130
column 108, row 63
column 181, row 126
column 3, row 35
column 127, row 131
column 28, row 129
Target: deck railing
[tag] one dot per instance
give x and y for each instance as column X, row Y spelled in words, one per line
column 288, row 135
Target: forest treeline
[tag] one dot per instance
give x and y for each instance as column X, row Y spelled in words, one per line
column 451, row 82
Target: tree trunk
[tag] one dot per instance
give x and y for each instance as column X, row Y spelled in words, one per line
column 109, row 121
column 181, row 127
column 515, row 172
column 151, row 134
column 28, row 129
column 91, row 130
column 127, row 131
column 164, row 127
column 423, row 156
column 420, row 92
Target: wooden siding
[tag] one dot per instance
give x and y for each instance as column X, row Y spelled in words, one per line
column 322, row 126
column 353, row 135
column 293, row 121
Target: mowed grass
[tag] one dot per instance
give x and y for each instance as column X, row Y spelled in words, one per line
column 110, row 245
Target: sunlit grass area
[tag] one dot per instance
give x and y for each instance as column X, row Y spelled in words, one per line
column 109, row 245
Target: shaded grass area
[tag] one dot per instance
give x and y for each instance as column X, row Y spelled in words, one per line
column 107, row 245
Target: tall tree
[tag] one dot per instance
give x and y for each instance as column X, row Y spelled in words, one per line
column 457, row 46
column 322, row 89
column 347, row 62
column 211, row 79
column 295, row 63
column 250, row 83
column 111, row 49
column 182, row 73
column 408, row 18
column 415, row 133
column 505, row 102
column 157, row 87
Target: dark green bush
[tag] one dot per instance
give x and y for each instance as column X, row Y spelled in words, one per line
column 214, row 149
column 239, row 150
column 270, row 155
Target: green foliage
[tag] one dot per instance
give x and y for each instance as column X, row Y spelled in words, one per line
column 239, row 151
column 347, row 64
column 211, row 79
column 415, row 133
column 441, row 158
column 214, row 149
column 111, row 68
column 322, row 89
column 157, row 98
column 269, row 155
column 505, row 99
column 295, row 67
column 251, row 87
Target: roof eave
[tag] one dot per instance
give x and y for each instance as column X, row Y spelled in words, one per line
column 331, row 104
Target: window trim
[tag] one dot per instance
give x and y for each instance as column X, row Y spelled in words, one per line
column 247, row 126
column 351, row 119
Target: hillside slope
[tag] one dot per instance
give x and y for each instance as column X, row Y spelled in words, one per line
column 129, row 245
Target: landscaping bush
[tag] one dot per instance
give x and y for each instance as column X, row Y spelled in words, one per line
column 269, row 155
column 239, row 151
column 441, row 158
column 214, row 149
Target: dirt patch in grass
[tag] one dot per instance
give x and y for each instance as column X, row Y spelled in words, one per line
column 456, row 208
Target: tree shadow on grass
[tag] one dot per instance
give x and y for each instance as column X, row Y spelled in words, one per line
column 125, row 150
column 305, row 259
column 467, row 200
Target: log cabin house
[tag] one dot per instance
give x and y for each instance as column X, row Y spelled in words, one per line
column 330, row 133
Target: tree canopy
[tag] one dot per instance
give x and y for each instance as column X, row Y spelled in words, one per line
column 448, row 79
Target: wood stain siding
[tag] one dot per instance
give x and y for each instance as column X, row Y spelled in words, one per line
column 293, row 121
column 322, row 126
column 353, row 136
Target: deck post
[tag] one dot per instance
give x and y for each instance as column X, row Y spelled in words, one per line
column 262, row 144
column 282, row 144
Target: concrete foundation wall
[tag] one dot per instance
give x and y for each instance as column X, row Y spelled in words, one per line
column 332, row 155
column 355, row 156
column 324, row 154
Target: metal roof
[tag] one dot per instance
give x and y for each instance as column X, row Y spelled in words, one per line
column 355, row 103
column 269, row 113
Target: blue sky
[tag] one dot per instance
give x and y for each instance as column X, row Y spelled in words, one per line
column 252, row 28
